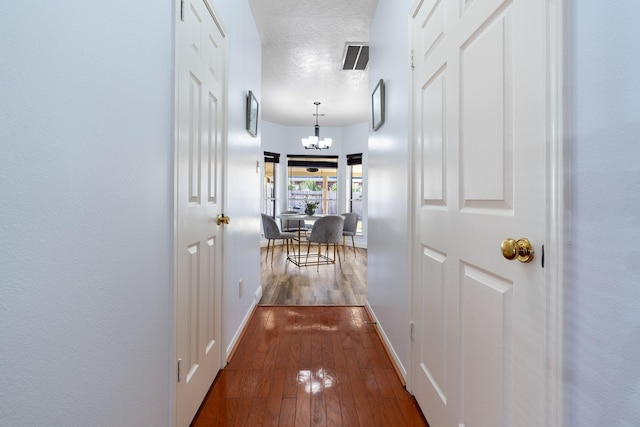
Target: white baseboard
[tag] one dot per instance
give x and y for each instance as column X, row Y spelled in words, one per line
column 402, row 371
column 236, row 337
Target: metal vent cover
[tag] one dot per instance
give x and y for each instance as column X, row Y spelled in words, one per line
column 355, row 56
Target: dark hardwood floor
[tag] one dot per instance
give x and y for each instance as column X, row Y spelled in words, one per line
column 283, row 283
column 309, row 366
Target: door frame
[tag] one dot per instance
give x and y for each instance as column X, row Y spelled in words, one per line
column 558, row 205
column 558, row 196
column 177, row 6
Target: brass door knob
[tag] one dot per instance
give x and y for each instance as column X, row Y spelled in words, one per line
column 520, row 249
column 223, row 219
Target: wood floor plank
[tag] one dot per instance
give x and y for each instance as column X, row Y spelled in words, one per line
column 371, row 385
column 333, row 408
column 256, row 413
column 274, row 401
column 360, row 397
column 291, row 383
column 287, row 412
column 234, row 383
column 378, row 413
column 284, row 347
column 393, row 412
column 305, row 351
column 242, row 412
column 311, row 374
column 303, row 400
column 318, row 407
column 348, row 408
column 263, row 385
column 384, row 388
column 248, row 387
column 347, row 402
column 293, row 360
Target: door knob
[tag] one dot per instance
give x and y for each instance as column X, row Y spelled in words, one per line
column 520, row 249
column 223, row 219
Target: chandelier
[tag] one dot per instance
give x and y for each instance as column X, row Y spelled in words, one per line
column 314, row 142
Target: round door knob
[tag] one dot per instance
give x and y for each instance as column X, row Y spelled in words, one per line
column 223, row 219
column 520, row 249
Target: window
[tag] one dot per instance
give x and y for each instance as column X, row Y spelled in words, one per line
column 269, row 190
column 354, row 180
column 314, row 179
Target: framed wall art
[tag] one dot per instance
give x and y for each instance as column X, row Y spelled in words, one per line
column 252, row 114
column 377, row 105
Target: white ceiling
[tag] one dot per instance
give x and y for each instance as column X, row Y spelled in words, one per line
column 303, row 43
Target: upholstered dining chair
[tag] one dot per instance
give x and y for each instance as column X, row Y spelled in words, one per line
column 326, row 231
column 349, row 229
column 273, row 233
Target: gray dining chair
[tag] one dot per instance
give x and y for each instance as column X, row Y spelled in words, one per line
column 326, row 231
column 349, row 229
column 273, row 233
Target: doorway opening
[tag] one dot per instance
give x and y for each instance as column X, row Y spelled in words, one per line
column 312, row 189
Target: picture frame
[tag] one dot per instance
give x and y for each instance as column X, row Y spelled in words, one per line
column 377, row 105
column 252, row 114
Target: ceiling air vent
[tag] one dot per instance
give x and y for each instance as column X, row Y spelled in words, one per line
column 356, row 56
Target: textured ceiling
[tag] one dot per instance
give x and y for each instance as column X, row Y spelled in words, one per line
column 303, row 42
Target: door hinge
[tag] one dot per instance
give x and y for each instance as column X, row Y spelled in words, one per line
column 182, row 10
column 179, row 369
column 411, row 329
column 412, row 65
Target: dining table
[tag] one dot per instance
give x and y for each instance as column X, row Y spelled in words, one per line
column 297, row 258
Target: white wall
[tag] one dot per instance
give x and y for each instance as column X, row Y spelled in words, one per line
column 86, row 213
column 604, row 293
column 388, row 195
column 242, row 243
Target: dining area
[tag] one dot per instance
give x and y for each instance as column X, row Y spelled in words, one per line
column 298, row 230
column 308, row 261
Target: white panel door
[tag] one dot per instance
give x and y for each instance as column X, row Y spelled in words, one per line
column 200, row 55
column 479, row 140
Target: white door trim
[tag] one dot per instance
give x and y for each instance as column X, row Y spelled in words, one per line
column 177, row 7
column 411, row 167
column 558, row 197
column 558, row 201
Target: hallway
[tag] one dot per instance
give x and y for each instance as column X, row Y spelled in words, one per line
column 309, row 366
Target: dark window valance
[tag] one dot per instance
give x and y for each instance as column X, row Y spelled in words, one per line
column 354, row 159
column 312, row 164
column 309, row 161
column 271, row 157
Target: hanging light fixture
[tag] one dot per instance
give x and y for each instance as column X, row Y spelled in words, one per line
column 314, row 142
